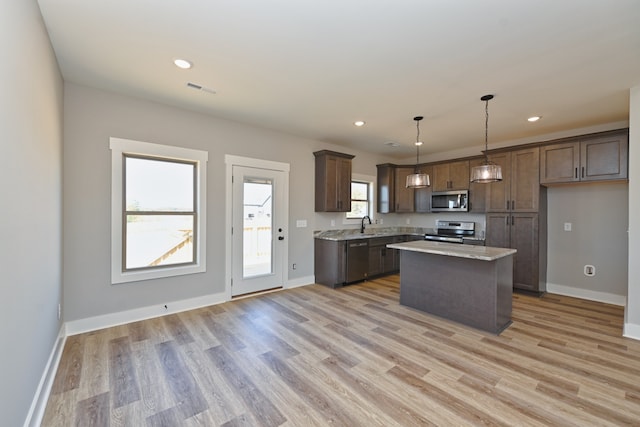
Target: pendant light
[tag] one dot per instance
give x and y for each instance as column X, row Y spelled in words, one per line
column 418, row 179
column 488, row 171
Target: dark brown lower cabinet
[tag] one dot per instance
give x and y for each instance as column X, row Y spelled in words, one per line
column 330, row 262
column 334, row 263
column 525, row 232
column 383, row 260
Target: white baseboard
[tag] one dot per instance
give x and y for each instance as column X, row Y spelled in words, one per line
column 300, row 281
column 113, row 319
column 41, row 397
column 631, row 330
column 587, row 294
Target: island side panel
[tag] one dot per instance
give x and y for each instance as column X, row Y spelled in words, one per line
column 504, row 291
column 464, row 290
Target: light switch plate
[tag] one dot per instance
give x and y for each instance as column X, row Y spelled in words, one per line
column 301, row 223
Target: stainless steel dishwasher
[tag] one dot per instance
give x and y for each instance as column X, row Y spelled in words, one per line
column 357, row 260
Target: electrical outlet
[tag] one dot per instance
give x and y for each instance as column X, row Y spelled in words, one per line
column 567, row 226
column 589, row 270
column 333, row 222
column 408, row 221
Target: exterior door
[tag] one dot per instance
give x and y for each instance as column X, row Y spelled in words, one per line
column 258, row 234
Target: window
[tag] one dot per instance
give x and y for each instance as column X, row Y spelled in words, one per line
column 158, row 211
column 360, row 199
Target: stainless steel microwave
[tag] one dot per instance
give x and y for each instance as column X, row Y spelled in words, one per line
column 450, row 201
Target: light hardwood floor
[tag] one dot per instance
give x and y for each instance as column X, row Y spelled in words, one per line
column 315, row 356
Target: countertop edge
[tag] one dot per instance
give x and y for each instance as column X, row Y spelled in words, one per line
column 483, row 253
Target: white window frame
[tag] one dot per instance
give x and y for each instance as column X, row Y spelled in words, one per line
column 371, row 180
column 119, row 147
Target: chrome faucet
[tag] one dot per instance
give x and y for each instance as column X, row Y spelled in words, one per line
column 362, row 223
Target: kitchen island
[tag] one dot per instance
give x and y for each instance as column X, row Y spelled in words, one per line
column 472, row 285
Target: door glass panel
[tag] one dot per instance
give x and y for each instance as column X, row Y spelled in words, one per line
column 257, row 259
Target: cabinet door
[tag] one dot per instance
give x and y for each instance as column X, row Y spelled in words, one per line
column 422, row 196
column 459, row 175
column 440, row 179
column 333, row 182
column 604, row 158
column 330, row 259
column 343, row 184
column 518, row 231
column 498, row 228
column 524, row 238
column 477, row 192
column 375, row 260
column 394, row 254
column 388, row 261
column 559, row 163
column 403, row 195
column 525, row 180
column 332, row 203
column 498, row 193
column 386, row 188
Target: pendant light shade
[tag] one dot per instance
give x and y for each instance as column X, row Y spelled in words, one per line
column 488, row 171
column 418, row 179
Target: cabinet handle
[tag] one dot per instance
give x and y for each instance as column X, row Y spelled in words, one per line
column 576, row 173
column 583, row 172
column 507, row 207
column 513, row 204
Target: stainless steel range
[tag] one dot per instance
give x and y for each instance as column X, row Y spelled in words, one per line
column 455, row 232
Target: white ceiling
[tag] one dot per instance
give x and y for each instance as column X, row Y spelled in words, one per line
column 311, row 68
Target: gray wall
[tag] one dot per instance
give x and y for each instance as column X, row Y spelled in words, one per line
column 31, row 214
column 599, row 215
column 91, row 117
column 632, row 314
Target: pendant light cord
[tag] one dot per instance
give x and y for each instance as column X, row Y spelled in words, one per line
column 417, row 145
column 486, row 130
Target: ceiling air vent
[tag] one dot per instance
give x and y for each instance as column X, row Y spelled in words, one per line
column 199, row 87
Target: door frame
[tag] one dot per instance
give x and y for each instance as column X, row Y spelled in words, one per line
column 231, row 161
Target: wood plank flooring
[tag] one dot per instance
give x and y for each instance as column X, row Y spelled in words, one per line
column 315, row 356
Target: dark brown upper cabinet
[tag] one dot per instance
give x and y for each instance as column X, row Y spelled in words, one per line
column 451, row 176
column 333, row 181
column 404, row 197
column 519, row 190
column 394, row 196
column 598, row 158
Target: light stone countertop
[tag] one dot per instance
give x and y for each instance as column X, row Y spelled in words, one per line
column 370, row 232
column 484, row 253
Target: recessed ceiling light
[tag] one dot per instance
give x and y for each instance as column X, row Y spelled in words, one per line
column 534, row 119
column 182, row 63
column 359, row 123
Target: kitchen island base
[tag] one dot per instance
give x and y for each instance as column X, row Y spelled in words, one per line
column 474, row 292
